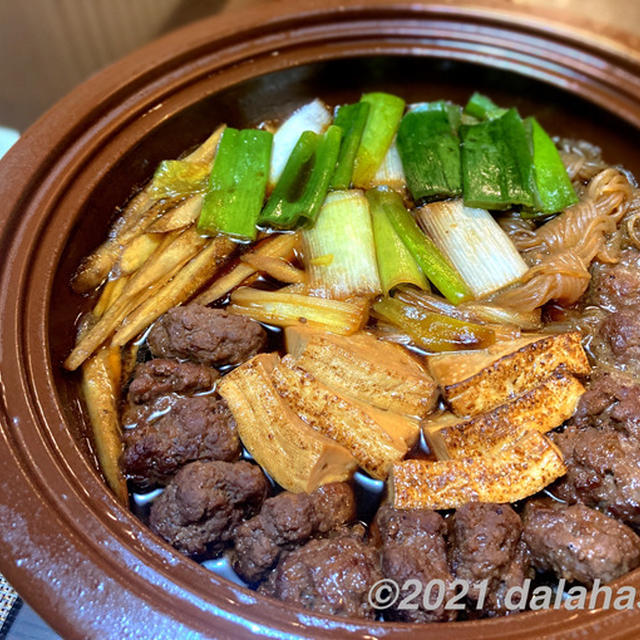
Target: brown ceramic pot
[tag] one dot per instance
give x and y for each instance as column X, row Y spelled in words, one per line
column 83, row 562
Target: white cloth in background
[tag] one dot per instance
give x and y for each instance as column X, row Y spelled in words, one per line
column 7, row 138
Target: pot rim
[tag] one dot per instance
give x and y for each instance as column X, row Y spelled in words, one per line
column 111, row 566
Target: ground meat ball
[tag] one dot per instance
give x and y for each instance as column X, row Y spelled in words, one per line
column 199, row 510
column 486, row 545
column 329, row 575
column 194, row 428
column 286, row 520
column 616, row 285
column 413, row 547
column 621, row 332
column 602, row 471
column 208, row 336
column 611, row 400
column 159, row 377
column 334, row 504
column 578, row 543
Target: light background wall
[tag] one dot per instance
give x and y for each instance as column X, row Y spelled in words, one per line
column 49, row 46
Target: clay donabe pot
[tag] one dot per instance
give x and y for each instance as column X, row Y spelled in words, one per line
column 83, row 562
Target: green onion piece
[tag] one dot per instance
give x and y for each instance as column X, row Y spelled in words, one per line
column 474, row 242
column 482, row 107
column 313, row 116
column 497, row 164
column 289, row 186
column 465, row 118
column 454, row 111
column 479, row 312
column 384, row 117
column 433, row 331
column 351, row 118
column 174, row 178
column 554, row 191
column 396, row 265
column 430, row 152
column 237, row 183
column 390, row 173
column 429, row 258
column 339, row 251
column 303, row 185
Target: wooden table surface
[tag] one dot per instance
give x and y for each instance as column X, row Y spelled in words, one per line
column 49, row 46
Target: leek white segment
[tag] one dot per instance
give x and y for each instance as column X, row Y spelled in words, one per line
column 314, row 116
column 339, row 251
column 396, row 265
column 391, row 172
column 475, row 244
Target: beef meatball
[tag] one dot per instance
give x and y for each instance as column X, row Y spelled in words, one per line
column 160, row 376
column 208, row 336
column 614, row 285
column 602, row 471
column 200, row 508
column 579, row 543
column 611, row 400
column 621, row 332
column 187, row 429
column 286, row 520
column 413, row 547
column 486, row 545
column 329, row 575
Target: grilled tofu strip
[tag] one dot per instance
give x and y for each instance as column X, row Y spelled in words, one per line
column 295, row 456
column 541, row 409
column 380, row 373
column 395, row 424
column 507, row 475
column 338, row 418
column 474, row 382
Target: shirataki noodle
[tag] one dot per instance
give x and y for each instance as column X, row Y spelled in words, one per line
column 562, row 249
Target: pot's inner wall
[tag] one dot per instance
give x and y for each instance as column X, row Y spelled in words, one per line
column 277, row 94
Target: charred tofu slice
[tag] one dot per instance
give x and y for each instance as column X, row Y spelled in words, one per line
column 340, row 419
column 474, row 382
column 509, row 474
column 396, row 425
column 541, row 409
column 363, row 367
column 296, row 456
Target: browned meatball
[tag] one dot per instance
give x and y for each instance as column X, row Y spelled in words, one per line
column 205, row 335
column 289, row 519
column 616, row 285
column 329, row 575
column 200, row 508
column 159, row 377
column 334, row 504
column 413, row 547
column 611, row 400
column 486, row 545
column 621, row 331
column 602, row 471
column 579, row 543
column 193, row 428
